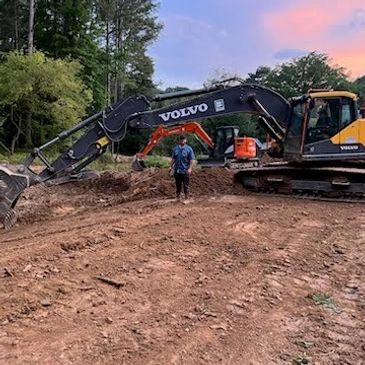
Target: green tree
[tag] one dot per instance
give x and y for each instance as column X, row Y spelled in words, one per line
column 130, row 26
column 313, row 71
column 260, row 76
column 360, row 89
column 49, row 90
column 69, row 29
column 13, row 25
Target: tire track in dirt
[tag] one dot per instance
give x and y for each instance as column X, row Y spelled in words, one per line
column 224, row 279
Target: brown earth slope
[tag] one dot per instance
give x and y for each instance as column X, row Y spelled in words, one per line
column 229, row 278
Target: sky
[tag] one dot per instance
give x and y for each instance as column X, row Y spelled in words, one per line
column 201, row 38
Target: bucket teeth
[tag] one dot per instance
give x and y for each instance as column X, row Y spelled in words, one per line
column 10, row 219
column 12, row 184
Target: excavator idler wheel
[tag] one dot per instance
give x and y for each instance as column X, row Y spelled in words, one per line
column 138, row 165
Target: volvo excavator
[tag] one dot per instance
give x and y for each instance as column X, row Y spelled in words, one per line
column 320, row 138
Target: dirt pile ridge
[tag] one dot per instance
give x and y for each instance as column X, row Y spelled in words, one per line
column 112, row 188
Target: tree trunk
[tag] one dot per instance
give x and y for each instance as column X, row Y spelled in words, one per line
column 18, row 130
column 16, row 25
column 117, row 34
column 28, row 130
column 28, row 119
column 107, row 38
column 31, row 26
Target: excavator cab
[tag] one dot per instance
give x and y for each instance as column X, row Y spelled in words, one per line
column 224, row 142
column 230, row 148
column 325, row 126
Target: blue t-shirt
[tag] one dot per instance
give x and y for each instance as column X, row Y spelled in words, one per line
column 182, row 156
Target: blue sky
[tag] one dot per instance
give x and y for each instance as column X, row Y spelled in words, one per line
column 202, row 37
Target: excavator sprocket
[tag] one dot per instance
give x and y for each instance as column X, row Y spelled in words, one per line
column 12, row 184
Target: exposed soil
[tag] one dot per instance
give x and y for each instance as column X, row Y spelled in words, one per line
column 227, row 278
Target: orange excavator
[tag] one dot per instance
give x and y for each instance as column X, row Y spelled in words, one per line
column 163, row 132
column 228, row 150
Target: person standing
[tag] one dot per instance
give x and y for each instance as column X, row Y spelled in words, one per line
column 182, row 164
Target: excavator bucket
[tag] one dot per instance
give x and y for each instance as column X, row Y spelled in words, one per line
column 138, row 164
column 12, row 184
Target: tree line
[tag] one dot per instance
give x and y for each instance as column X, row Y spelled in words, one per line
column 63, row 59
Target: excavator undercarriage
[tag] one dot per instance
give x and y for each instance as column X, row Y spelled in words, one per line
column 320, row 183
column 320, row 138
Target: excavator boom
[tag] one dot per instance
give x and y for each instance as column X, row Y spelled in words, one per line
column 163, row 132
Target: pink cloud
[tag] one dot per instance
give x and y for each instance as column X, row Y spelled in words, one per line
column 311, row 26
column 350, row 55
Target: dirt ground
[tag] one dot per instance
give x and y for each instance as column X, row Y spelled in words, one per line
column 228, row 278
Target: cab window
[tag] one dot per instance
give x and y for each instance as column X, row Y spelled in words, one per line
column 324, row 119
column 347, row 112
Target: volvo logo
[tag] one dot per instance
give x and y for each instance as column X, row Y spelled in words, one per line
column 184, row 112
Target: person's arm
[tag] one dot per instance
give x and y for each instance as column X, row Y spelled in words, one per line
column 173, row 160
column 192, row 158
column 172, row 163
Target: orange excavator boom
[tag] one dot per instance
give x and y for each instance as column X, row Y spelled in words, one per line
column 163, row 132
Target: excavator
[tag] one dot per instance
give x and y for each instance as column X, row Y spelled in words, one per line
column 162, row 132
column 229, row 150
column 320, row 138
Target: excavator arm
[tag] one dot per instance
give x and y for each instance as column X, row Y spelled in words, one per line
column 100, row 130
column 113, row 124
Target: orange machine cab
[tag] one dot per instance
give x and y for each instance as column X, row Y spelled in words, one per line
column 245, row 148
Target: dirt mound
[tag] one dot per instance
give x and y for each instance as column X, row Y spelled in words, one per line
column 110, row 182
column 157, row 182
column 112, row 188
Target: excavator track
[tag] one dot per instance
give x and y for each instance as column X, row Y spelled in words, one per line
column 307, row 196
column 336, row 184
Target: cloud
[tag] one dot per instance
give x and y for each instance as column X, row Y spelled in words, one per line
column 191, row 50
column 358, row 19
column 237, row 36
column 349, row 54
column 285, row 54
column 333, row 27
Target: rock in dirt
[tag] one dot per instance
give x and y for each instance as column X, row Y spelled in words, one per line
column 46, row 302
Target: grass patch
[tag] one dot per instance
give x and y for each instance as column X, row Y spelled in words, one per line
column 103, row 163
column 326, row 301
column 16, row 158
column 107, row 162
column 157, row 161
